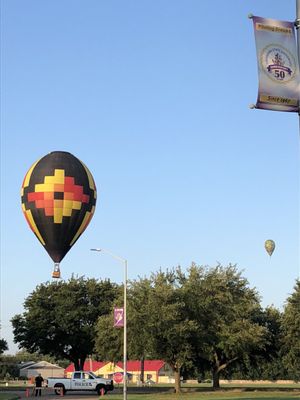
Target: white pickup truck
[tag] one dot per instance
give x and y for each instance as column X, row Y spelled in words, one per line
column 80, row 380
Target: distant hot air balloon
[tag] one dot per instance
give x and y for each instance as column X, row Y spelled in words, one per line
column 58, row 200
column 270, row 246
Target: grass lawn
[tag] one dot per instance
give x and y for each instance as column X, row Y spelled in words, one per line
column 204, row 396
column 185, row 396
column 8, row 396
column 210, row 396
column 190, row 392
column 226, row 395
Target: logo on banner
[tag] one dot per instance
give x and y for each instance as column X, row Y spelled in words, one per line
column 118, row 317
column 278, row 63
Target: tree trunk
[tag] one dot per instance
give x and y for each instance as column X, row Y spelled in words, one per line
column 76, row 364
column 177, row 380
column 216, row 378
column 81, row 362
column 217, row 368
column 142, row 376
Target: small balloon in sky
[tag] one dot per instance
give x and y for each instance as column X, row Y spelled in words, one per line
column 58, row 198
column 269, row 246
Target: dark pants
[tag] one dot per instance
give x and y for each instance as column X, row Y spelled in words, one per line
column 38, row 391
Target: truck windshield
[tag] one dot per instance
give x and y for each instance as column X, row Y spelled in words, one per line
column 92, row 375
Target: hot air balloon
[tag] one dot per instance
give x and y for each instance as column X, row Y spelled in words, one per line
column 58, row 201
column 269, row 246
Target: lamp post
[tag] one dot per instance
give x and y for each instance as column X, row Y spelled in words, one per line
column 123, row 260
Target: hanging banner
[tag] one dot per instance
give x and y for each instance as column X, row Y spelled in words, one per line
column 118, row 317
column 278, row 69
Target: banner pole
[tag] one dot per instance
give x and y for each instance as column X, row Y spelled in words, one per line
column 297, row 24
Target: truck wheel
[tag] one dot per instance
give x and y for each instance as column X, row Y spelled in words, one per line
column 99, row 389
column 58, row 388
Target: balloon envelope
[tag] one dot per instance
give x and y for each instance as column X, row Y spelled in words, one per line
column 269, row 246
column 58, row 201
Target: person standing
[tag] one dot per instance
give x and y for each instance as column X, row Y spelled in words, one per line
column 38, row 384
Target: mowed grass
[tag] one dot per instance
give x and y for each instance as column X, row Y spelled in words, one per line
column 190, row 392
column 8, row 396
column 210, row 396
column 228, row 395
column 184, row 396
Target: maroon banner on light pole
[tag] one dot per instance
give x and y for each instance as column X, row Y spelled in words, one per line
column 118, row 317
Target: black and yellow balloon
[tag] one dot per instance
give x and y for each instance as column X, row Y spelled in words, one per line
column 58, row 201
column 270, row 246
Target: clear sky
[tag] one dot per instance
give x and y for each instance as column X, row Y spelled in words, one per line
column 153, row 97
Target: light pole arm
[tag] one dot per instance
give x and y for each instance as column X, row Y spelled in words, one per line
column 111, row 254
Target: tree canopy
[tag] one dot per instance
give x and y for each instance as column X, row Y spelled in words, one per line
column 291, row 333
column 60, row 318
column 3, row 346
column 221, row 303
column 205, row 317
column 200, row 319
column 157, row 327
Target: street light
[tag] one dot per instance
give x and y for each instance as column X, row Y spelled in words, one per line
column 125, row 317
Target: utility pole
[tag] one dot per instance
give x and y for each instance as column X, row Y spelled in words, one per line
column 297, row 24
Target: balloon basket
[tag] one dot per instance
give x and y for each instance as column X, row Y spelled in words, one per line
column 56, row 272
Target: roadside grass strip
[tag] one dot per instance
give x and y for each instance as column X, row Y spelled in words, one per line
column 8, row 396
column 210, row 396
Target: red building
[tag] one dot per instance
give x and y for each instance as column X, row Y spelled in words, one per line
column 156, row 371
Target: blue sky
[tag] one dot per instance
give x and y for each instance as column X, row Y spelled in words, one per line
column 153, row 97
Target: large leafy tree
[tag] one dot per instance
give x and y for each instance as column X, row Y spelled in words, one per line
column 266, row 363
column 109, row 340
column 205, row 317
column 24, row 356
column 263, row 362
column 291, row 333
column 140, row 294
column 169, row 325
column 60, row 317
column 158, row 326
column 3, row 346
column 224, row 308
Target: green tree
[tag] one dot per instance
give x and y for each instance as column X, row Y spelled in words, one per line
column 266, row 362
column 139, row 297
column 291, row 333
column 109, row 340
column 158, row 326
column 224, row 308
column 60, row 317
column 8, row 371
column 3, row 346
column 24, row 356
column 161, row 323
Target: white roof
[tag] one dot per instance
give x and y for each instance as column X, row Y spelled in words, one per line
column 42, row 365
